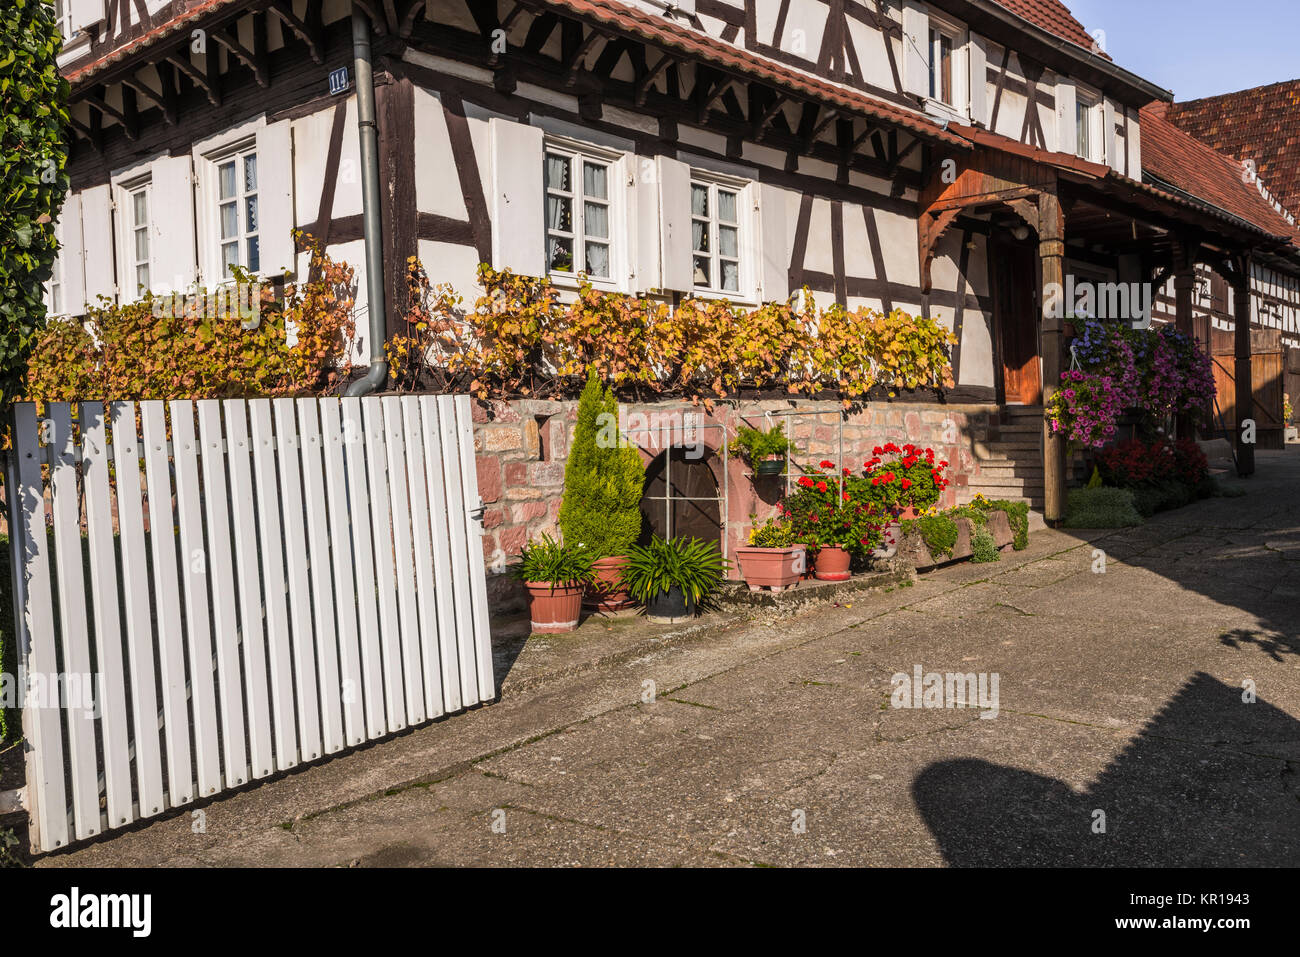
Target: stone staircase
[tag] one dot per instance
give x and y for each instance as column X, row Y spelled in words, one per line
column 1009, row 457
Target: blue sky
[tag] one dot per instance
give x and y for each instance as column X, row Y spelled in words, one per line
column 1199, row 47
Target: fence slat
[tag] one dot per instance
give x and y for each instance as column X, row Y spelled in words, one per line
column 341, row 555
column 466, row 657
column 166, row 590
column 434, row 461
column 425, row 592
column 194, row 588
column 354, row 447
column 225, row 620
column 408, row 612
column 385, row 574
column 111, row 689
column 139, row 615
column 40, row 720
column 295, row 551
column 322, row 585
column 74, row 635
column 266, row 494
column 474, row 536
column 252, row 624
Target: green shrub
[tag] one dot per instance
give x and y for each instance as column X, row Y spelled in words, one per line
column 772, row 534
column 1018, row 518
column 33, row 159
column 983, row 546
column 1101, row 508
column 939, row 532
column 546, row 560
column 755, row 445
column 603, row 479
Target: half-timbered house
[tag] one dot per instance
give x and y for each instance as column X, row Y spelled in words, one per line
column 946, row 157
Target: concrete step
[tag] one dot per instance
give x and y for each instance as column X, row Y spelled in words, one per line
column 993, row 470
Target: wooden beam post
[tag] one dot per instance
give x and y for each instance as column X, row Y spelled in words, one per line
column 1051, row 251
column 1245, row 392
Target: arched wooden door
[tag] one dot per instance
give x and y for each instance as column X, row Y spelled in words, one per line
column 681, row 498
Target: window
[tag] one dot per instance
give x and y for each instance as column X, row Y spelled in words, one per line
column 237, row 219
column 715, row 236
column 579, row 213
column 942, row 44
column 137, row 224
column 63, row 17
column 54, row 297
column 1087, row 123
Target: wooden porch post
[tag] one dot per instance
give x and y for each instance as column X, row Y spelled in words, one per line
column 1245, row 393
column 1051, row 250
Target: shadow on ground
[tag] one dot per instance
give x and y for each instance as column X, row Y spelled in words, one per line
column 1167, row 799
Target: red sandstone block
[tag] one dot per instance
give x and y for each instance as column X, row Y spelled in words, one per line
column 489, row 477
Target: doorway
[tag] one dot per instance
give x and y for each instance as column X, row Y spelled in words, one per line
column 1015, row 303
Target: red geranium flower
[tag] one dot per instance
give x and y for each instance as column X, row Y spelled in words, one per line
column 806, row 482
column 828, row 465
column 821, row 486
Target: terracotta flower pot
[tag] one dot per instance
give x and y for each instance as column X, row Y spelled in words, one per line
column 774, row 568
column 553, row 608
column 832, row 564
column 606, row 593
column 907, row 514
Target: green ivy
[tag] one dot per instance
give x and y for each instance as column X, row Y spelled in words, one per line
column 33, row 176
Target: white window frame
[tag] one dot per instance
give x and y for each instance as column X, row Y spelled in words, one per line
column 615, row 200
column 125, row 189
column 1095, row 151
column 207, row 155
column 54, row 292
column 746, row 249
column 63, row 17
column 957, row 33
column 237, row 153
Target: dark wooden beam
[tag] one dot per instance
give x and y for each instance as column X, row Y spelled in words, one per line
column 203, row 80
column 573, row 62
column 645, row 82
column 250, row 58
column 310, row 30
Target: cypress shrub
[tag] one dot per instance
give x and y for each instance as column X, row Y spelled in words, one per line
column 603, row 479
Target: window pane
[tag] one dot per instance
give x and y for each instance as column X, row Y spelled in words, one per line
column 726, row 206
column 945, row 53
column 699, row 236
column 728, row 241
column 934, row 65
column 595, row 220
column 559, row 213
column 141, row 245
column 140, row 207
column 226, row 179
column 229, row 257
column 702, row 271
column 254, row 254
column 559, row 254
column 250, row 173
column 142, row 277
column 229, row 220
column 557, row 172
column 250, row 214
column 598, row 260
column 699, row 200
column 731, row 276
column 56, row 299
column 595, row 181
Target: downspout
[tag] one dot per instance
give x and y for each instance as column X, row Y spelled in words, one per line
column 367, row 132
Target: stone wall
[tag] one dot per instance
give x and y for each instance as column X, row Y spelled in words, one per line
column 522, row 447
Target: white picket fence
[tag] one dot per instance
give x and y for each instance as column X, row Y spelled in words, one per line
column 311, row 578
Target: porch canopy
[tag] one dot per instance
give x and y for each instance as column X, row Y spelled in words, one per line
column 1167, row 228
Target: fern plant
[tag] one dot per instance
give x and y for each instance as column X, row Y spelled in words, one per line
column 603, row 479
column 694, row 566
column 544, row 560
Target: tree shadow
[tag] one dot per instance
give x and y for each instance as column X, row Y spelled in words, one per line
column 1206, row 782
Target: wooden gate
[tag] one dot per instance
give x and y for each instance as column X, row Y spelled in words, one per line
column 1266, row 378
column 209, row 592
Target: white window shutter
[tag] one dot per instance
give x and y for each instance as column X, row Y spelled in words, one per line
column 71, row 256
column 1134, row 146
column 1108, row 134
column 675, row 244
column 774, row 249
column 978, row 58
column 645, row 246
column 518, row 198
column 916, row 49
column 97, row 240
column 275, row 199
column 82, row 13
column 1067, row 133
column 174, row 262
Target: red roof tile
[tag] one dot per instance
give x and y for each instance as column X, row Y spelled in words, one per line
column 1054, row 17
column 1262, row 125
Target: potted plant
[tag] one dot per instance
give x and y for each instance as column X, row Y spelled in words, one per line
column 672, row 576
column 554, row 575
column 765, row 451
column 836, row 517
column 772, row 559
column 904, row 482
column 603, row 481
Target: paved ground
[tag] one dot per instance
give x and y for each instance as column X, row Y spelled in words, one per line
column 1119, row 693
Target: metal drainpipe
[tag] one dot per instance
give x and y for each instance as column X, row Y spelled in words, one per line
column 367, row 132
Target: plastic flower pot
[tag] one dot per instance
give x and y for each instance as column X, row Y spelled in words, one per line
column 553, row 609
column 774, row 568
column 605, row 593
column 772, row 465
column 832, row 564
column 807, row 560
column 669, row 607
